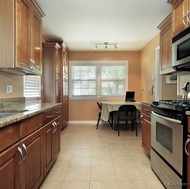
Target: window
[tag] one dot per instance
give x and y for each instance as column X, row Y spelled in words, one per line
column 98, row 79
column 32, row 86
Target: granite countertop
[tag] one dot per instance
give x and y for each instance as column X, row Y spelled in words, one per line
column 147, row 102
column 22, row 110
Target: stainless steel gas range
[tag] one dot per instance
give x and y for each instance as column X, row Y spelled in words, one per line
column 168, row 136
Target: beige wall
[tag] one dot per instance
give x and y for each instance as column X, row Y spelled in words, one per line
column 89, row 107
column 148, row 61
column 17, row 83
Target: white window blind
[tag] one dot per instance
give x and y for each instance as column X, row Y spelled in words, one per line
column 98, row 79
column 32, row 86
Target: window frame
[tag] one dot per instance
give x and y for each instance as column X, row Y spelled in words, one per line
column 98, row 64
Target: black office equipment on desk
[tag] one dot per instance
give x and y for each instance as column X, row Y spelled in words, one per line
column 130, row 96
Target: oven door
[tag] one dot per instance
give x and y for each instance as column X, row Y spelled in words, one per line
column 167, row 140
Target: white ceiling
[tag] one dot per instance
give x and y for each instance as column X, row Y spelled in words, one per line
column 81, row 23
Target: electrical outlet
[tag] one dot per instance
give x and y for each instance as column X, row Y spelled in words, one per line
column 9, row 88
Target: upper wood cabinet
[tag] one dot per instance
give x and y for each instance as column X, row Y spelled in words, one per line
column 180, row 15
column 166, row 46
column 21, row 26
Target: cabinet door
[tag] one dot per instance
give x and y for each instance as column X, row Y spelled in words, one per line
column 188, row 166
column 56, row 137
column 23, row 37
column 32, row 167
column 51, row 61
column 36, row 42
column 178, row 16
column 48, row 153
column 146, row 133
column 9, row 168
column 166, row 51
column 65, row 111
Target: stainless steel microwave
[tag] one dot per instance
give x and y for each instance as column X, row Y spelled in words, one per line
column 181, row 50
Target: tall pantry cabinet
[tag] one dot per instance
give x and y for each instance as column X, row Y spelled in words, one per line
column 55, row 76
column 65, row 99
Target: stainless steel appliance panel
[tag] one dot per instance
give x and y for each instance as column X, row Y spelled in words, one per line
column 167, row 176
column 167, row 140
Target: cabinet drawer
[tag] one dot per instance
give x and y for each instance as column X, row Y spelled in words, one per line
column 146, row 118
column 31, row 124
column 57, row 111
column 9, row 135
column 48, row 116
column 146, row 109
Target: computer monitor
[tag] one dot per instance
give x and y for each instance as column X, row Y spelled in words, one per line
column 130, row 95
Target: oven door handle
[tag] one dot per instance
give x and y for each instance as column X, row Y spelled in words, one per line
column 167, row 118
column 186, row 143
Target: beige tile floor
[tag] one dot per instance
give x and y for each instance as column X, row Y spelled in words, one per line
column 99, row 159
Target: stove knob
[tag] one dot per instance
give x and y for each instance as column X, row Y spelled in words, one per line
column 156, row 103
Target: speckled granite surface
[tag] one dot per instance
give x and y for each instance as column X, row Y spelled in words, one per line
column 22, row 109
column 146, row 102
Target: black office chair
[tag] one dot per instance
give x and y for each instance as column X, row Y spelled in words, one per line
column 127, row 113
column 99, row 116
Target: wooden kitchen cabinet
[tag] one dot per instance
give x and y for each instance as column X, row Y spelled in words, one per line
column 65, row 111
column 9, row 156
column 26, row 147
column 65, row 100
column 146, row 127
column 166, row 46
column 180, row 15
column 52, row 81
column 32, row 166
column 9, row 168
column 21, row 36
column 52, row 138
column 188, row 157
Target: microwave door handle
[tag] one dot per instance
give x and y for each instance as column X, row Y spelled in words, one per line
column 167, row 118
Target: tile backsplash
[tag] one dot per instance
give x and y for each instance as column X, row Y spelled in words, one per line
column 16, row 81
column 182, row 79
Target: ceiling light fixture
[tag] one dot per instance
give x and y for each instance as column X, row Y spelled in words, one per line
column 105, row 44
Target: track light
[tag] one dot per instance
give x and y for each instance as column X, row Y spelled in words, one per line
column 105, row 44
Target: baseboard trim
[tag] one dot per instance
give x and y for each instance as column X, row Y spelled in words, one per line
column 82, row 122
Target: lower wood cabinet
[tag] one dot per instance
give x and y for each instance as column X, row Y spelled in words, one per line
column 28, row 155
column 21, row 165
column 188, row 165
column 146, row 127
column 9, row 168
column 32, row 165
column 51, row 143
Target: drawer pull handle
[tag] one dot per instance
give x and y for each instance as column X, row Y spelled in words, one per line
column 57, row 112
column 146, row 110
column 26, row 152
column 49, row 116
column 21, row 154
column 54, row 127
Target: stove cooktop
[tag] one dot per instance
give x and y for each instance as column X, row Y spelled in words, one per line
column 175, row 109
column 178, row 105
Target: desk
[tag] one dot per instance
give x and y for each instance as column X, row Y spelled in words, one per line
column 108, row 107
